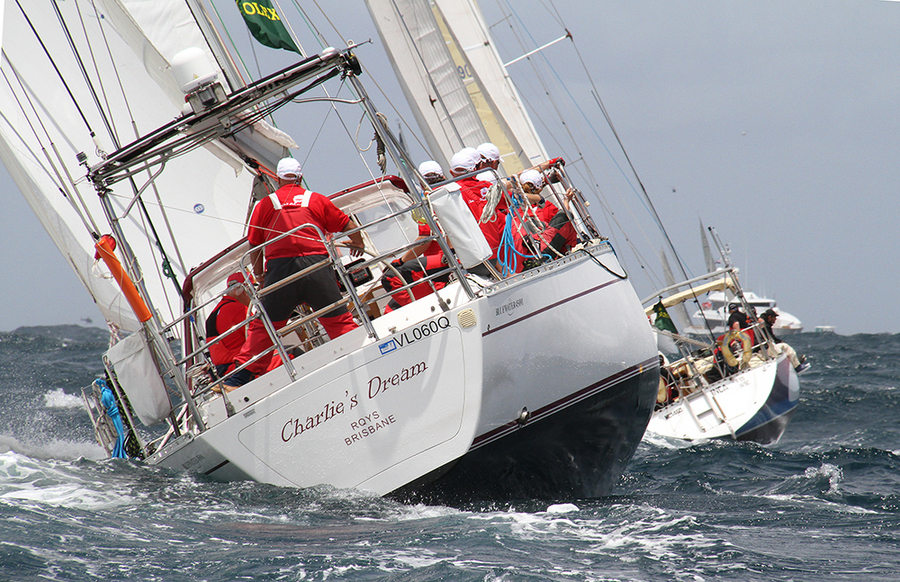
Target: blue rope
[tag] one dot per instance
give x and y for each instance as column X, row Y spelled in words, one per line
column 112, row 411
column 507, row 255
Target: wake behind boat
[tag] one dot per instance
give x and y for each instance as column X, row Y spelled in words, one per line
column 533, row 384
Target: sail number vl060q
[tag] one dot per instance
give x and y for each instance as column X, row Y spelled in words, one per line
column 415, row 334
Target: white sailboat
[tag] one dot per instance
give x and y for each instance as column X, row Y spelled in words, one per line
column 535, row 385
column 741, row 386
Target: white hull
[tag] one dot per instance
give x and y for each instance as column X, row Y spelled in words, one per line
column 405, row 406
column 754, row 404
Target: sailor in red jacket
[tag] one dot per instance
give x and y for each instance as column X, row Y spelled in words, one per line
column 230, row 311
column 473, row 192
column 290, row 206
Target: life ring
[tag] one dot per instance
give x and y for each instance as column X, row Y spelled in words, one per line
column 725, row 345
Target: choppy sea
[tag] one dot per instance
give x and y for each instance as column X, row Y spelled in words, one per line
column 822, row 504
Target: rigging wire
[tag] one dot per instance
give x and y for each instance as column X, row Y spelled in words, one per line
column 644, row 198
column 231, row 41
column 62, row 184
column 107, row 121
column 167, row 270
column 372, row 79
column 55, row 68
column 643, row 190
column 90, row 86
column 585, row 170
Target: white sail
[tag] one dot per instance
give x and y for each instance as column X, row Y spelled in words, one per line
column 465, row 20
column 148, row 29
column 459, row 92
column 428, row 75
column 119, row 95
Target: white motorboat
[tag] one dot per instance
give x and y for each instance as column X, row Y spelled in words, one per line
column 714, row 310
column 713, row 313
column 539, row 384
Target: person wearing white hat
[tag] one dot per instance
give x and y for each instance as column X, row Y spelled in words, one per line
column 473, row 192
column 532, row 183
column 490, row 162
column 287, row 208
column 464, row 161
column 489, row 152
column 431, row 171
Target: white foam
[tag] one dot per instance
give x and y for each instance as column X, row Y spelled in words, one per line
column 562, row 508
column 59, row 399
column 53, row 449
column 34, row 482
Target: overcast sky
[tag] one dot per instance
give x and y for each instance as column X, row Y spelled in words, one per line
column 775, row 122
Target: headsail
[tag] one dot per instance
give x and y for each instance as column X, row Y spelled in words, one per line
column 428, row 75
column 59, row 101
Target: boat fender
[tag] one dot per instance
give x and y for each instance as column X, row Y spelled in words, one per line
column 105, row 247
column 725, row 345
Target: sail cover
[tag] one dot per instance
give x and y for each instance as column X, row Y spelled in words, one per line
column 87, row 67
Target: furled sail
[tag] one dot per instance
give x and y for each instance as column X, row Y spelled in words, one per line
column 83, row 80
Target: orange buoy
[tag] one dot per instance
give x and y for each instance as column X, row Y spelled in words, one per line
column 105, row 247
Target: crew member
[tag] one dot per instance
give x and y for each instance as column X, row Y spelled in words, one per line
column 229, row 312
column 289, row 207
column 779, row 345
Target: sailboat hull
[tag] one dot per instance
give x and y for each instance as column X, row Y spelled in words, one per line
column 578, row 452
column 754, row 405
column 540, row 388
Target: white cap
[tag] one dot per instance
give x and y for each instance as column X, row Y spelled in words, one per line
column 430, row 167
column 465, row 159
column 489, row 152
column 487, row 177
column 532, row 177
column 289, row 169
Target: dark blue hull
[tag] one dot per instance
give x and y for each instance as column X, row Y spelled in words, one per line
column 578, row 451
column 767, row 425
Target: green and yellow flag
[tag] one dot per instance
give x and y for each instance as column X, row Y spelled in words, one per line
column 265, row 24
column 663, row 321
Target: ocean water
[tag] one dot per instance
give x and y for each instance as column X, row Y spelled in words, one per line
column 822, row 504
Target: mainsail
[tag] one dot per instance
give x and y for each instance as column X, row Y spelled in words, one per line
column 459, row 95
column 84, row 81
column 465, row 20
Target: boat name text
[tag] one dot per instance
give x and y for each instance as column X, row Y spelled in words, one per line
column 376, row 385
column 296, row 426
column 511, row 306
